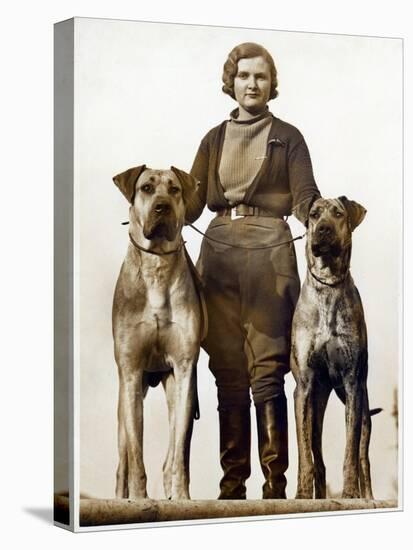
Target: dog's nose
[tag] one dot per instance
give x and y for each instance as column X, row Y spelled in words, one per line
column 324, row 230
column 162, row 208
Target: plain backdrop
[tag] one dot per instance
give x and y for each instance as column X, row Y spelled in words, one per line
column 26, row 404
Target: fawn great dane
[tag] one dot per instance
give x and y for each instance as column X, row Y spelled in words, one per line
column 157, row 325
column 329, row 351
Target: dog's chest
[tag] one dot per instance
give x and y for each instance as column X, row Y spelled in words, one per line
column 334, row 318
column 339, row 332
column 157, row 310
column 166, row 295
column 158, row 300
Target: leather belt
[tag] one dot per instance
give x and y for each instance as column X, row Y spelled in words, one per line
column 242, row 210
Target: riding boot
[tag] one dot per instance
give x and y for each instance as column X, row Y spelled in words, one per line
column 235, row 450
column 272, row 426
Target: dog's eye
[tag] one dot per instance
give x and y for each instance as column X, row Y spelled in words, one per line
column 147, row 188
column 174, row 190
column 338, row 214
column 314, row 215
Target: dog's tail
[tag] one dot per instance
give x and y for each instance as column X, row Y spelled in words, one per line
column 340, row 393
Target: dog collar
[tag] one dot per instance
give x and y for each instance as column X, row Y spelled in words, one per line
column 136, row 245
column 330, row 284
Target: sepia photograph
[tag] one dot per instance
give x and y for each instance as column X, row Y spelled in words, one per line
column 235, row 268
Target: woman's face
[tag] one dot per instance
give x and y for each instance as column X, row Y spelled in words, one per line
column 252, row 84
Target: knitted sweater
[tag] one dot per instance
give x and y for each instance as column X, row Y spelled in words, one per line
column 283, row 185
column 243, row 151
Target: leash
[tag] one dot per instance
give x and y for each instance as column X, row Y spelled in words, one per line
column 136, row 245
column 247, row 247
column 215, row 241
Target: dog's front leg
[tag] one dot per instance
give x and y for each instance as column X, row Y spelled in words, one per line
column 321, row 393
column 184, row 411
column 304, row 425
column 122, row 471
column 169, row 387
column 353, row 432
column 131, row 396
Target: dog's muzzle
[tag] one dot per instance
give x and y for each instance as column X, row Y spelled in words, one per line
column 324, row 241
column 161, row 222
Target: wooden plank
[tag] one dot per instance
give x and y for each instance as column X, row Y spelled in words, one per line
column 94, row 512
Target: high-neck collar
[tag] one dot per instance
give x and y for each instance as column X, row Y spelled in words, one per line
column 235, row 113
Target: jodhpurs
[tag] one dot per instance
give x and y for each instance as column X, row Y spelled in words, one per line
column 250, row 297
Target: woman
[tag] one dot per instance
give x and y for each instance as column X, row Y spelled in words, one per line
column 253, row 170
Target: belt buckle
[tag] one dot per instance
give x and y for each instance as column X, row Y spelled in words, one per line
column 234, row 215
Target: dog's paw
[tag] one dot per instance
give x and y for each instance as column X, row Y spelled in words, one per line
column 304, row 495
column 180, row 493
column 350, row 494
column 137, row 495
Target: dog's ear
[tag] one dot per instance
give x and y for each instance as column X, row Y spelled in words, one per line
column 189, row 193
column 355, row 211
column 188, row 182
column 126, row 181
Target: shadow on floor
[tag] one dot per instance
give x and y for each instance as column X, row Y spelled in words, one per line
column 44, row 514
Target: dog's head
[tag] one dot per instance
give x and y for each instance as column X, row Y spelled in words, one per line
column 158, row 199
column 330, row 224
